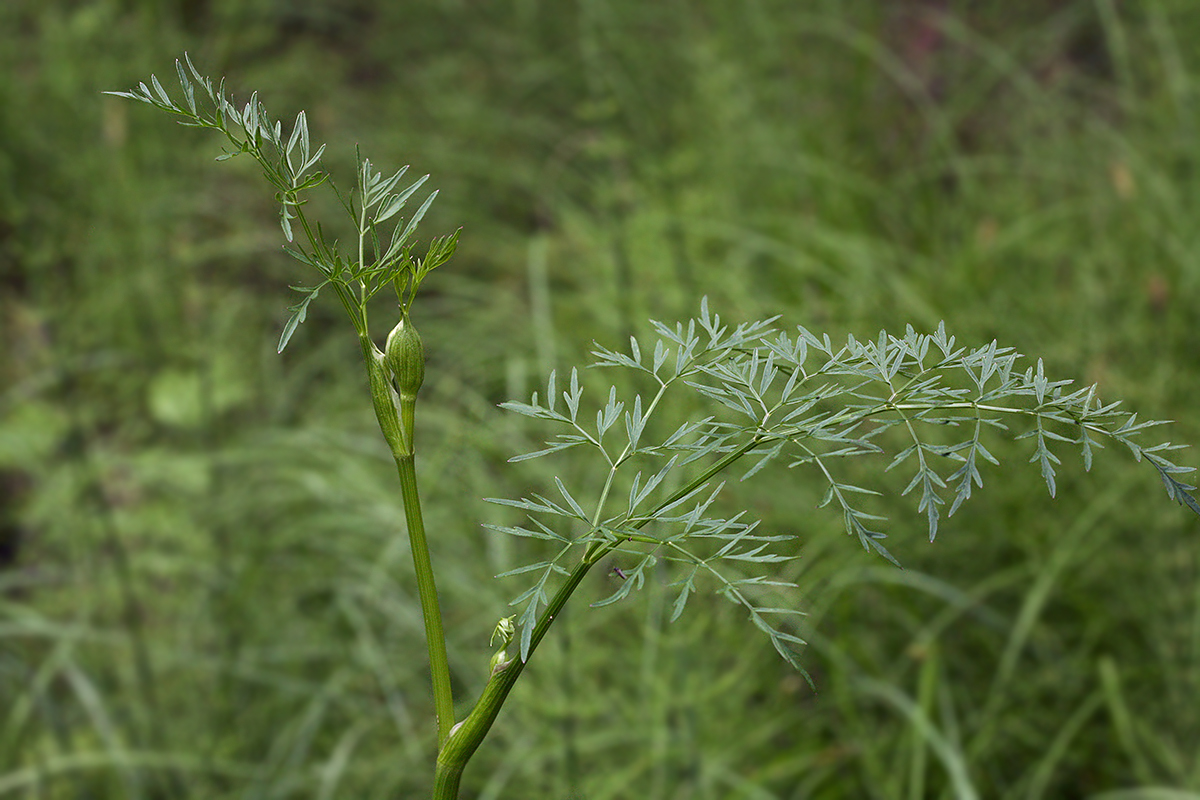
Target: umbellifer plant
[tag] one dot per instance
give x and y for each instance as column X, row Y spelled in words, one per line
column 775, row 394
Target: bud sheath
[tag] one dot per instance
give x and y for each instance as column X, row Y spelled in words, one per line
column 404, row 356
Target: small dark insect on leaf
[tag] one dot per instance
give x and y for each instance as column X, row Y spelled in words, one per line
column 620, row 573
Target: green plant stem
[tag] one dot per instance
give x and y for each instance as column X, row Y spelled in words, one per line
column 466, row 737
column 397, row 415
column 427, row 590
column 435, row 636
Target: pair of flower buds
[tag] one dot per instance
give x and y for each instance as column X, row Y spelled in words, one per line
column 396, row 374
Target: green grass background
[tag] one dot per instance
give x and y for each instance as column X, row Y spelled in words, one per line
column 205, row 593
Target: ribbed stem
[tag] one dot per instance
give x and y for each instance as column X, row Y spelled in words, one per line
column 467, row 736
column 435, row 636
column 397, row 416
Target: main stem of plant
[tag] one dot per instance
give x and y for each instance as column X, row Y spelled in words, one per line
column 397, row 416
column 435, row 636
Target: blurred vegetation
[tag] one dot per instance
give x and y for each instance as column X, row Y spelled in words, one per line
column 202, row 589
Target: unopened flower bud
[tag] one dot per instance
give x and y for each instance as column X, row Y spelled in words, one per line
column 499, row 662
column 404, row 355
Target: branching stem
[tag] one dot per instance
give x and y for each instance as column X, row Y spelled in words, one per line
column 466, row 737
